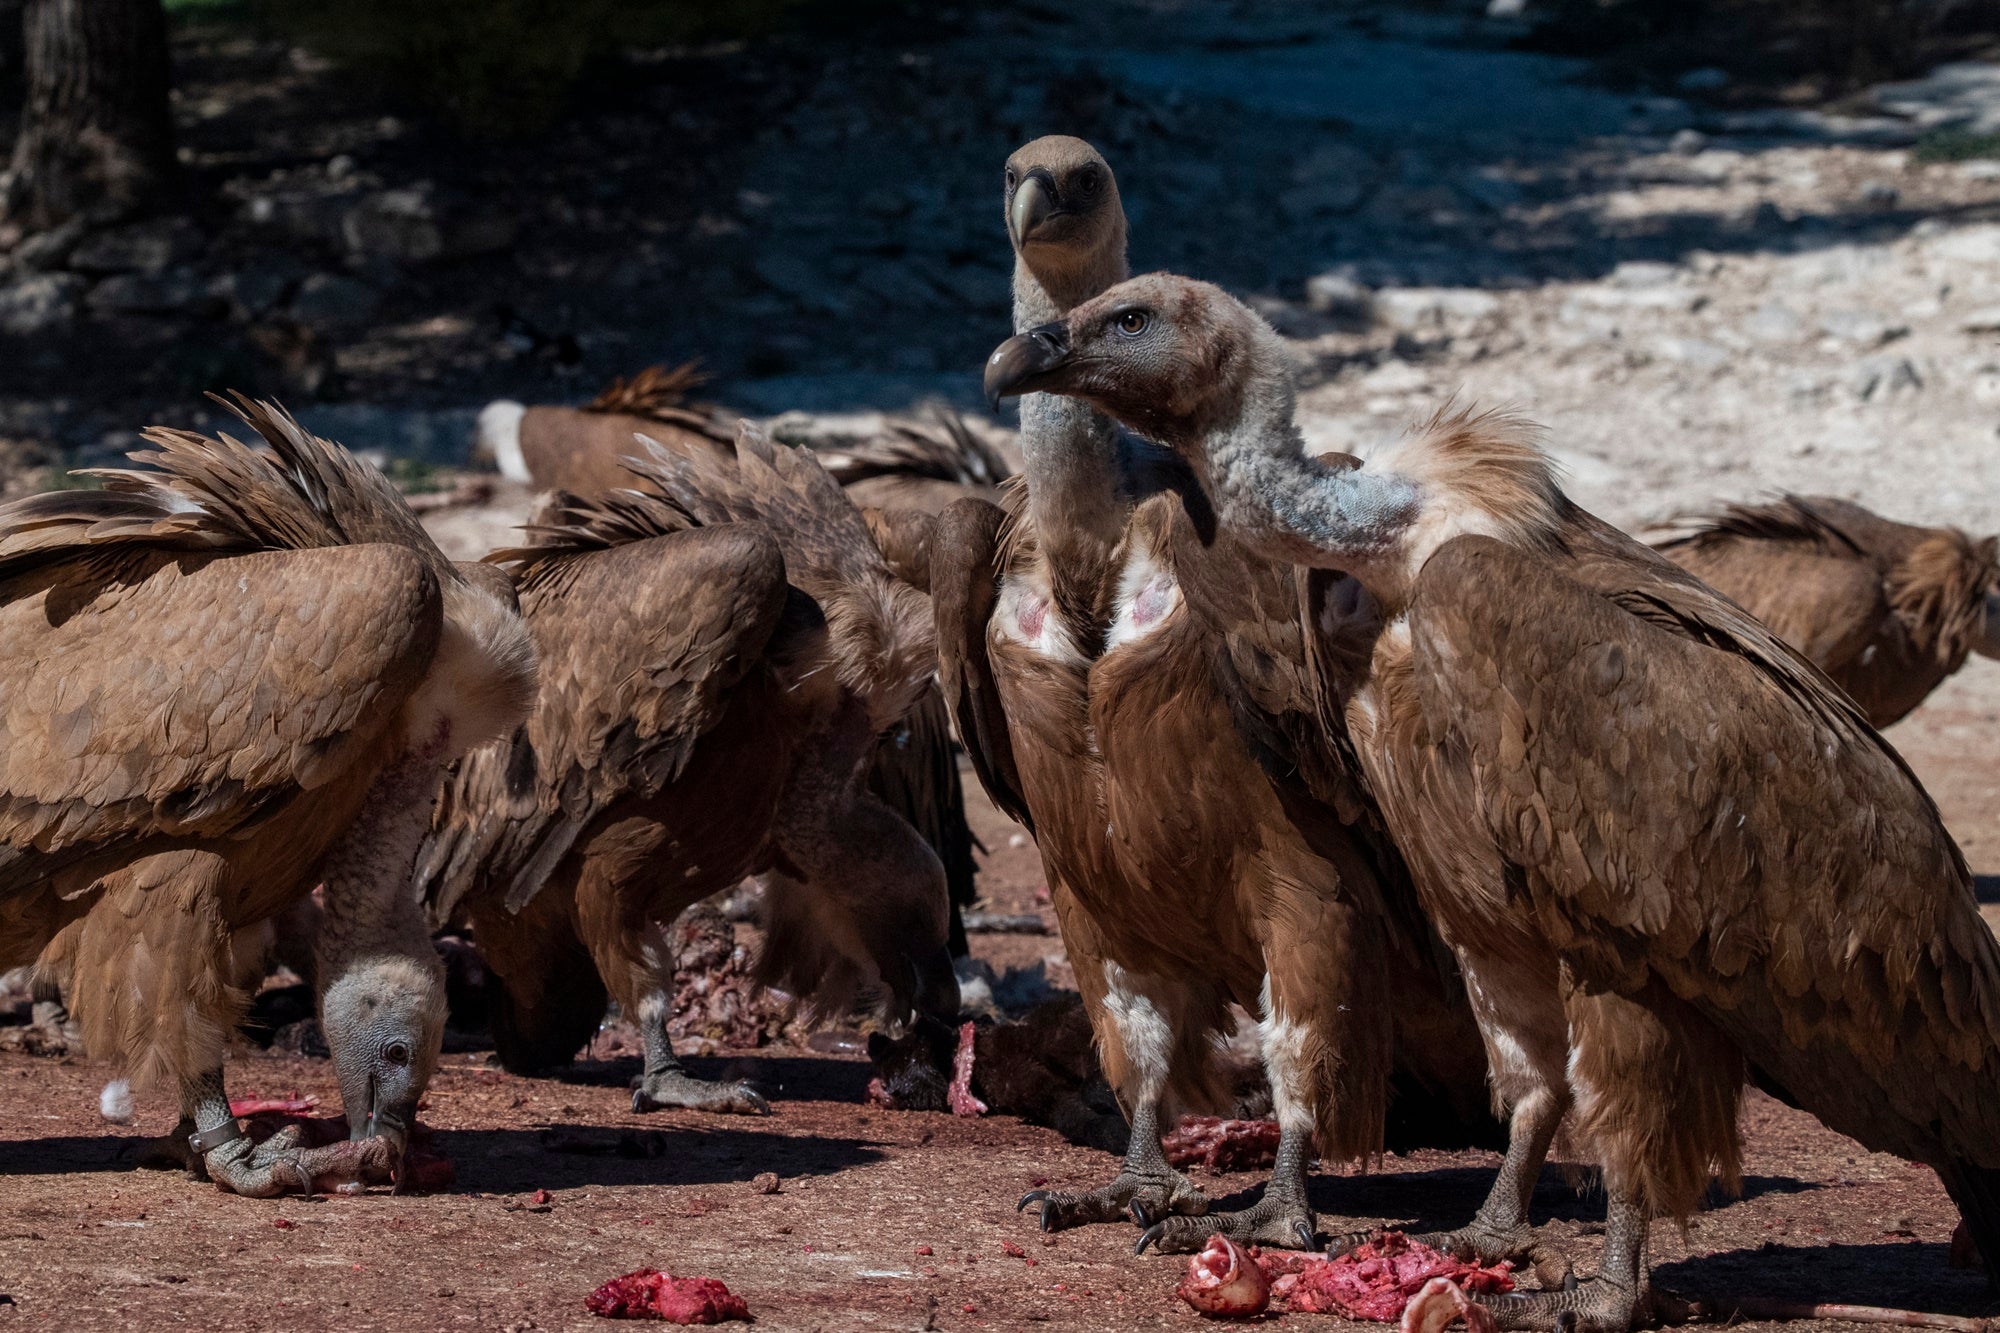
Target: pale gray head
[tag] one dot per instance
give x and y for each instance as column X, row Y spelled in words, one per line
column 383, row 1020
column 1168, row 356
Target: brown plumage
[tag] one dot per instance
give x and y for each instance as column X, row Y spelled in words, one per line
column 920, row 467
column 1886, row 609
column 581, row 449
column 1668, row 852
column 221, row 683
column 1106, row 658
column 722, row 647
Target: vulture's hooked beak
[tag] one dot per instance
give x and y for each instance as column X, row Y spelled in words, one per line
column 384, row 1122
column 1034, row 203
column 1025, row 361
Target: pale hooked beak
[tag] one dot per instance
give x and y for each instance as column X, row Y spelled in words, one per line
column 1034, row 200
column 384, row 1122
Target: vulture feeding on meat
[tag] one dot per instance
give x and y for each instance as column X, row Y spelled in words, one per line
column 222, row 683
column 1669, row 853
column 1886, row 609
column 582, row 451
column 722, row 649
column 1102, row 654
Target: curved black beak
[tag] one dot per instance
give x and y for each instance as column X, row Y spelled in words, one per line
column 1024, row 361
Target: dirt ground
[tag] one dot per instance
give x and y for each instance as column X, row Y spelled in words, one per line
column 88, row 1242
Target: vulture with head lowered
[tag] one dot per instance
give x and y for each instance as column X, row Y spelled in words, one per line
column 1669, row 853
column 897, row 480
column 223, row 683
column 1886, row 609
column 1105, row 655
column 723, row 650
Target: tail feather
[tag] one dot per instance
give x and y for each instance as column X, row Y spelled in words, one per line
column 915, row 773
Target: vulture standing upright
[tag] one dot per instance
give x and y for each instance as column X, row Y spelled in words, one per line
column 722, row 647
column 1886, row 609
column 222, row 683
column 582, row 451
column 1100, row 650
column 1668, row 852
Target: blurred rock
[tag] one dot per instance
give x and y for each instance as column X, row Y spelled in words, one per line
column 1984, row 320
column 260, row 286
column 419, row 223
column 1340, row 296
column 1688, row 142
column 1707, row 79
column 40, row 303
column 1695, row 353
column 1774, row 323
column 50, row 249
column 1883, row 377
column 145, row 247
column 170, row 292
column 1864, row 328
column 1415, row 309
column 330, row 300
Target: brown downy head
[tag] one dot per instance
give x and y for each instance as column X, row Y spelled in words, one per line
column 1166, row 355
column 1066, row 222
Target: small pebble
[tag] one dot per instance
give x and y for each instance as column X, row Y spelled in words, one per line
column 765, row 1182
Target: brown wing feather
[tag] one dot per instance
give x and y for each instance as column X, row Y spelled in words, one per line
column 965, row 586
column 915, row 773
column 146, row 696
column 640, row 644
column 1693, row 801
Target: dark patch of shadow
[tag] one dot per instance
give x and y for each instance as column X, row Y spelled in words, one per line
column 65, row 1154
column 1986, row 888
column 794, row 1078
column 1448, row 1197
column 513, row 1160
column 1904, row 1274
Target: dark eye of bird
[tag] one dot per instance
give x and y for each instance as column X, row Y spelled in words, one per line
column 1012, row 180
column 397, row 1053
column 1133, row 322
column 1087, row 180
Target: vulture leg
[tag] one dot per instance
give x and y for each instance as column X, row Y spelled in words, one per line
column 1145, row 1186
column 1137, row 1054
column 664, row 1082
column 1527, row 1048
column 276, row 1166
column 50, row 1017
column 1282, row 1218
column 1607, row 1303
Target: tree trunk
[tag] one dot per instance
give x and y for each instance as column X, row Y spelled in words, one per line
column 96, row 137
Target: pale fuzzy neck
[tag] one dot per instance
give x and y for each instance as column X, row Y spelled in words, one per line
column 1069, row 451
column 371, row 905
column 1294, row 509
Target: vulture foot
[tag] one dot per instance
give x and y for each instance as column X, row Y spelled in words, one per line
column 1476, row 1242
column 672, row 1087
column 1273, row 1221
column 1597, row 1305
column 279, row 1165
column 1131, row 1195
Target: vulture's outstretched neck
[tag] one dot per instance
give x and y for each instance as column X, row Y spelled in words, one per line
column 1295, row 509
column 1069, row 451
column 368, row 876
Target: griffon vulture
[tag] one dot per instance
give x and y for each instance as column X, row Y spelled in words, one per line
column 1669, row 854
column 1887, row 609
column 722, row 647
column 582, row 451
column 222, row 683
column 1098, row 651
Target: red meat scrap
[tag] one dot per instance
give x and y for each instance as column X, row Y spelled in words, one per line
column 1376, row 1279
column 1225, row 1281
column 1222, row 1145
column 960, row 1093
column 650, row 1294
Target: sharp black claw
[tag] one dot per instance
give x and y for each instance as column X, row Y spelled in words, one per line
column 1569, row 1281
column 1032, row 1196
column 1151, row 1237
column 1304, row 1234
column 1566, row 1322
column 1139, row 1214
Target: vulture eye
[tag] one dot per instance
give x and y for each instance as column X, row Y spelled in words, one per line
column 1012, row 179
column 1088, row 180
column 396, row 1053
column 1134, row 322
